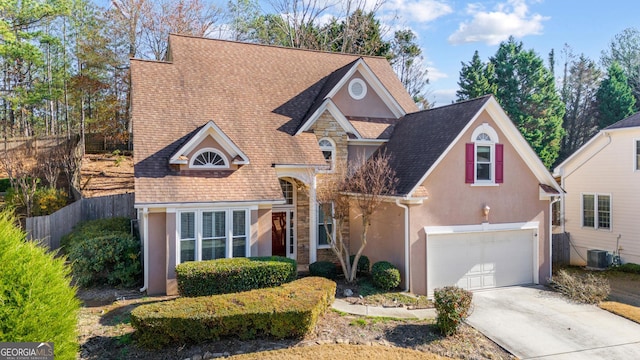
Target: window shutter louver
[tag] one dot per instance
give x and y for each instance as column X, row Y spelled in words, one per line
column 499, row 163
column 469, row 163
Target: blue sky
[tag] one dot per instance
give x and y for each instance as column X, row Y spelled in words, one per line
column 450, row 31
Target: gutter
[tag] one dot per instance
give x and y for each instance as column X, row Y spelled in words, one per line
column 551, row 235
column 145, row 245
column 406, row 243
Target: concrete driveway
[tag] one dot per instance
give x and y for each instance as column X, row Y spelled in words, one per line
column 533, row 323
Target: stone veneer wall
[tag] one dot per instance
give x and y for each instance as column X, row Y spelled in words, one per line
column 327, row 127
column 302, row 227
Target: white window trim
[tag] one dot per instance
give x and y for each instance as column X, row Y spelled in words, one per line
column 595, row 212
column 318, row 223
column 229, row 230
column 333, row 154
column 209, row 166
column 487, row 129
column 292, row 218
column 353, row 82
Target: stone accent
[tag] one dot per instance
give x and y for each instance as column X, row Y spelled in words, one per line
column 302, row 227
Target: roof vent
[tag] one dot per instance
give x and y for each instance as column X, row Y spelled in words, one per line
column 357, row 89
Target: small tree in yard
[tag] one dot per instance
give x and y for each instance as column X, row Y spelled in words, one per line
column 364, row 184
column 22, row 175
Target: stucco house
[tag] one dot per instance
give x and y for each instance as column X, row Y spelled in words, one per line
column 601, row 210
column 232, row 139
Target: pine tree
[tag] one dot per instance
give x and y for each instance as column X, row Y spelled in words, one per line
column 615, row 97
column 475, row 79
column 526, row 90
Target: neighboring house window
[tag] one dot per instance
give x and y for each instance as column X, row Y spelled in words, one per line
column 484, row 157
column 596, row 211
column 212, row 234
column 637, row 154
column 210, row 159
column 328, row 151
column 324, row 226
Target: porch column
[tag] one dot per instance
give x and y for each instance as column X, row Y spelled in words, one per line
column 313, row 220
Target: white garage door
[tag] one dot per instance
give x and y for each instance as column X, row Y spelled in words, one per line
column 480, row 260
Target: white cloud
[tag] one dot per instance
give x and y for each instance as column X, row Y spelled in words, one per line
column 441, row 97
column 492, row 27
column 421, row 11
column 434, row 74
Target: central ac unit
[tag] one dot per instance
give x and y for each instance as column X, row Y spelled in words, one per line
column 597, row 259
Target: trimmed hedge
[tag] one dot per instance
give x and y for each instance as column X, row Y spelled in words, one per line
column 363, row 264
column 325, row 269
column 385, row 275
column 287, row 311
column 223, row 276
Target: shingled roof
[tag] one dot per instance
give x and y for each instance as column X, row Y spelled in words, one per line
column 257, row 95
column 631, row 121
column 420, row 138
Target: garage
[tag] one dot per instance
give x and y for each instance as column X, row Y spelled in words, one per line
column 476, row 260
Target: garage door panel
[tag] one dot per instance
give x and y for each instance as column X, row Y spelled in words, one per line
column 480, row 260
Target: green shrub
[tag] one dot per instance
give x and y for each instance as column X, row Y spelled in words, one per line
column 224, row 276
column 287, row 311
column 452, row 305
column 325, row 269
column 103, row 252
column 48, row 200
column 363, row 264
column 38, row 304
column 629, row 268
column 587, row 288
column 385, row 275
column 96, row 228
column 5, row 184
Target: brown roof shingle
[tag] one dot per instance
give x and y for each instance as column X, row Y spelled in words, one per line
column 258, row 95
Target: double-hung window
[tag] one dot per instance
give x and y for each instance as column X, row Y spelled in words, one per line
column 596, row 211
column 212, row 234
column 325, row 224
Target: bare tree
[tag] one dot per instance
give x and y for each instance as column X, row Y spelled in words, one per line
column 49, row 165
column 21, row 171
column 301, row 18
column 70, row 157
column 364, row 185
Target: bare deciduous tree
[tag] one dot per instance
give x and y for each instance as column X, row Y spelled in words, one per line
column 364, row 185
column 21, row 171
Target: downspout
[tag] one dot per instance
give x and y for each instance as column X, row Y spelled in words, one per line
column 551, row 235
column 145, row 245
column 406, row 243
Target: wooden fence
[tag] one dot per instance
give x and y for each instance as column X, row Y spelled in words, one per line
column 51, row 228
column 560, row 250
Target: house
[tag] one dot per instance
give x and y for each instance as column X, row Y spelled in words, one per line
column 232, row 140
column 601, row 209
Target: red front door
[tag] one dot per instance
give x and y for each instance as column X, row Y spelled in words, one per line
column 279, row 233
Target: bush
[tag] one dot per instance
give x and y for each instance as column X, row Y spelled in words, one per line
column 452, row 307
column 587, row 288
column 103, row 252
column 629, row 268
column 224, row 276
column 363, row 264
column 48, row 200
column 325, row 269
column 385, row 276
column 287, row 311
column 38, row 304
column 5, row 184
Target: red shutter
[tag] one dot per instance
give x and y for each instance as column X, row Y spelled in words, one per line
column 499, row 163
column 470, row 164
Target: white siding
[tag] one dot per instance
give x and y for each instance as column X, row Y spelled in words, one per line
column 606, row 166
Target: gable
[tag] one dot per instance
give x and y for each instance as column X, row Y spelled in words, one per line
column 371, row 105
column 210, row 136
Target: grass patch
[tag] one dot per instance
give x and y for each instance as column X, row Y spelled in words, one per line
column 626, row 311
column 358, row 322
column 341, row 351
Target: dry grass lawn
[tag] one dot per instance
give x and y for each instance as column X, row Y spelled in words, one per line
column 337, row 351
column 627, row 311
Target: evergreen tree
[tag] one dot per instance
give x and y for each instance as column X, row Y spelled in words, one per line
column 526, row 90
column 615, row 97
column 476, row 79
column 625, row 50
column 406, row 60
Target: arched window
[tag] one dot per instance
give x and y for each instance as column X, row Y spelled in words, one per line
column 484, row 157
column 209, row 158
column 328, row 149
column 287, row 191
